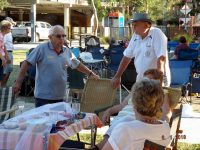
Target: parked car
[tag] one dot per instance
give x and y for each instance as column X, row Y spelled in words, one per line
column 23, row 32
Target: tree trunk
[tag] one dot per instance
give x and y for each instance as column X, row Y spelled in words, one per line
column 96, row 22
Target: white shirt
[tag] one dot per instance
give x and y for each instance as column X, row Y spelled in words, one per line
column 8, row 41
column 131, row 135
column 147, row 51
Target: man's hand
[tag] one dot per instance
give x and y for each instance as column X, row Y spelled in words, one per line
column 16, row 88
column 106, row 117
column 94, row 76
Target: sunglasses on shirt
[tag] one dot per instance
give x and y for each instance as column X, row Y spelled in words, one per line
column 60, row 35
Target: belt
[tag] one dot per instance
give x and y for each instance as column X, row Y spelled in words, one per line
column 10, row 51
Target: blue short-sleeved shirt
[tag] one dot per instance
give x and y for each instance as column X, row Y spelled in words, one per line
column 51, row 74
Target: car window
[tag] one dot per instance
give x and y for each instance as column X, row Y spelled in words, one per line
column 28, row 24
column 48, row 25
column 42, row 25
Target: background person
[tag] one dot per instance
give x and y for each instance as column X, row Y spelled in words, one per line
column 8, row 41
column 125, row 109
column 51, row 59
column 147, row 99
column 148, row 46
column 182, row 45
column 5, row 28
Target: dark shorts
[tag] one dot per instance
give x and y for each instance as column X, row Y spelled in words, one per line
column 40, row 102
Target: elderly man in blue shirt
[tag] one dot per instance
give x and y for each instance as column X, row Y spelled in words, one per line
column 51, row 60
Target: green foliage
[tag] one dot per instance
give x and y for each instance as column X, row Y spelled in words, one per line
column 102, row 12
column 187, row 36
column 3, row 4
column 104, row 40
column 186, row 146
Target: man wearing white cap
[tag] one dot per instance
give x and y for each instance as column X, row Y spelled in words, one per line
column 148, row 46
column 8, row 41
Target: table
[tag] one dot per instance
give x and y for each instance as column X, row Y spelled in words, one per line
column 81, row 36
column 37, row 134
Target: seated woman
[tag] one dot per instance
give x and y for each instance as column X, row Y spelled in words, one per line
column 182, row 45
column 125, row 109
column 147, row 99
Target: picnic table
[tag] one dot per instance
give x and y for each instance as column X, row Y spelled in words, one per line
column 31, row 129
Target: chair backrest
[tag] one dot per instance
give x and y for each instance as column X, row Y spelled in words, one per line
column 180, row 71
column 188, row 54
column 97, row 94
column 195, row 82
column 175, row 122
column 96, row 52
column 174, row 95
column 172, row 45
column 92, row 41
column 75, row 51
column 115, row 55
column 7, row 100
column 75, row 79
column 193, row 45
column 149, row 145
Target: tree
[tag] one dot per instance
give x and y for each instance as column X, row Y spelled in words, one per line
column 3, row 4
column 157, row 9
column 96, row 21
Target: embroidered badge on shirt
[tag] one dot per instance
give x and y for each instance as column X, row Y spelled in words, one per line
column 147, row 53
column 50, row 57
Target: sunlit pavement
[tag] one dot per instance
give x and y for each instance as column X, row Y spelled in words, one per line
column 190, row 123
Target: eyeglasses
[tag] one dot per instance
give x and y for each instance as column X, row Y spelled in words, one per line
column 60, row 35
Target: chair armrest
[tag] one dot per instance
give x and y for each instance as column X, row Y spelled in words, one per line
column 10, row 111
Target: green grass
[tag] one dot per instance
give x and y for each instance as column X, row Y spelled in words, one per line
column 20, row 55
column 181, row 146
column 186, row 146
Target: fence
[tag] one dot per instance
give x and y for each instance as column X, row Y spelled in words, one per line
column 121, row 32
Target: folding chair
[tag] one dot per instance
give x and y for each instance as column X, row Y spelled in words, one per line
column 115, row 56
column 76, row 83
column 97, row 52
column 28, row 84
column 195, row 85
column 5, row 115
column 95, row 65
column 180, row 75
column 175, row 128
column 92, row 41
column 97, row 94
column 7, row 100
column 75, row 51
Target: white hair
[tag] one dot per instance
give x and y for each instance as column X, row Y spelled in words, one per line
column 55, row 29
